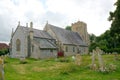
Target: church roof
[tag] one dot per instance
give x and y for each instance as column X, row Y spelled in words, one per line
column 42, row 38
column 45, row 43
column 37, row 33
column 67, row 36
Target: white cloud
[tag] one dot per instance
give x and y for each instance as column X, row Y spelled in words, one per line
column 57, row 12
column 94, row 13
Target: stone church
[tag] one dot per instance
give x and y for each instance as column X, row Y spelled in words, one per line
column 29, row 42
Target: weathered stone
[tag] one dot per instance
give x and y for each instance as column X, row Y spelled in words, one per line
column 81, row 28
column 97, row 53
column 116, row 56
column 112, row 67
column 78, row 59
column 101, row 65
column 93, row 58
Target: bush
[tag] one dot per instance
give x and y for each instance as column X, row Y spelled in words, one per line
column 3, row 52
column 117, row 50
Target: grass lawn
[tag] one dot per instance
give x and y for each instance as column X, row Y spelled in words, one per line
column 57, row 70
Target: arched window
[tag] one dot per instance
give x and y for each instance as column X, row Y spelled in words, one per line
column 18, row 45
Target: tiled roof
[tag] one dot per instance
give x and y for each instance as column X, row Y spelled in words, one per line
column 3, row 46
column 37, row 33
column 42, row 38
column 66, row 36
column 45, row 43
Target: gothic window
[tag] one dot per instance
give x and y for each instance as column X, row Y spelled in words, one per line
column 18, row 45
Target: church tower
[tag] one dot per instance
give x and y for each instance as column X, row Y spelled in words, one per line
column 81, row 28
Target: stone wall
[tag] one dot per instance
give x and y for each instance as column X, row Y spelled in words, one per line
column 69, row 50
column 35, row 51
column 19, row 34
column 38, row 53
column 48, row 54
column 73, row 49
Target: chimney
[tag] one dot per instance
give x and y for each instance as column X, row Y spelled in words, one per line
column 12, row 33
column 31, row 30
column 26, row 24
column 18, row 23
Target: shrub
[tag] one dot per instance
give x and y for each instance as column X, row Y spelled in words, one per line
column 3, row 52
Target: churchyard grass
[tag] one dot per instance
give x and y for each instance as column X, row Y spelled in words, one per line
column 52, row 69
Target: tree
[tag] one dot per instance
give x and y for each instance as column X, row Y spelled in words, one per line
column 3, row 52
column 115, row 26
column 110, row 40
column 92, row 38
column 68, row 28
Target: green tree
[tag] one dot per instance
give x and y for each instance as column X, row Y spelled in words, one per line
column 115, row 26
column 68, row 28
column 3, row 51
column 92, row 38
column 110, row 40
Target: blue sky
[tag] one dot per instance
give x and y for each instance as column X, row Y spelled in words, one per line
column 57, row 12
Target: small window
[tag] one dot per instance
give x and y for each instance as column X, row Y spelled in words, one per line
column 51, row 50
column 73, row 49
column 66, row 49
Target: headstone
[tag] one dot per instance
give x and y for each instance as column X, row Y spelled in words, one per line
column 97, row 53
column 93, row 58
column 112, row 67
column 23, row 60
column 116, row 56
column 93, row 65
column 101, row 65
column 78, row 59
column 1, row 69
column 109, row 53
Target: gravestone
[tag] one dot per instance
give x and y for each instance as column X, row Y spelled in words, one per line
column 78, row 59
column 96, row 54
column 112, row 67
column 101, row 64
column 1, row 69
column 93, row 65
column 116, row 56
column 93, row 58
column 23, row 60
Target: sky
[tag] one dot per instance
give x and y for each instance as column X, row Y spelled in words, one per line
column 60, row 13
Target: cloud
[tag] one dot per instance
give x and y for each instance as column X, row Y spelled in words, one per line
column 94, row 13
column 12, row 11
column 57, row 12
